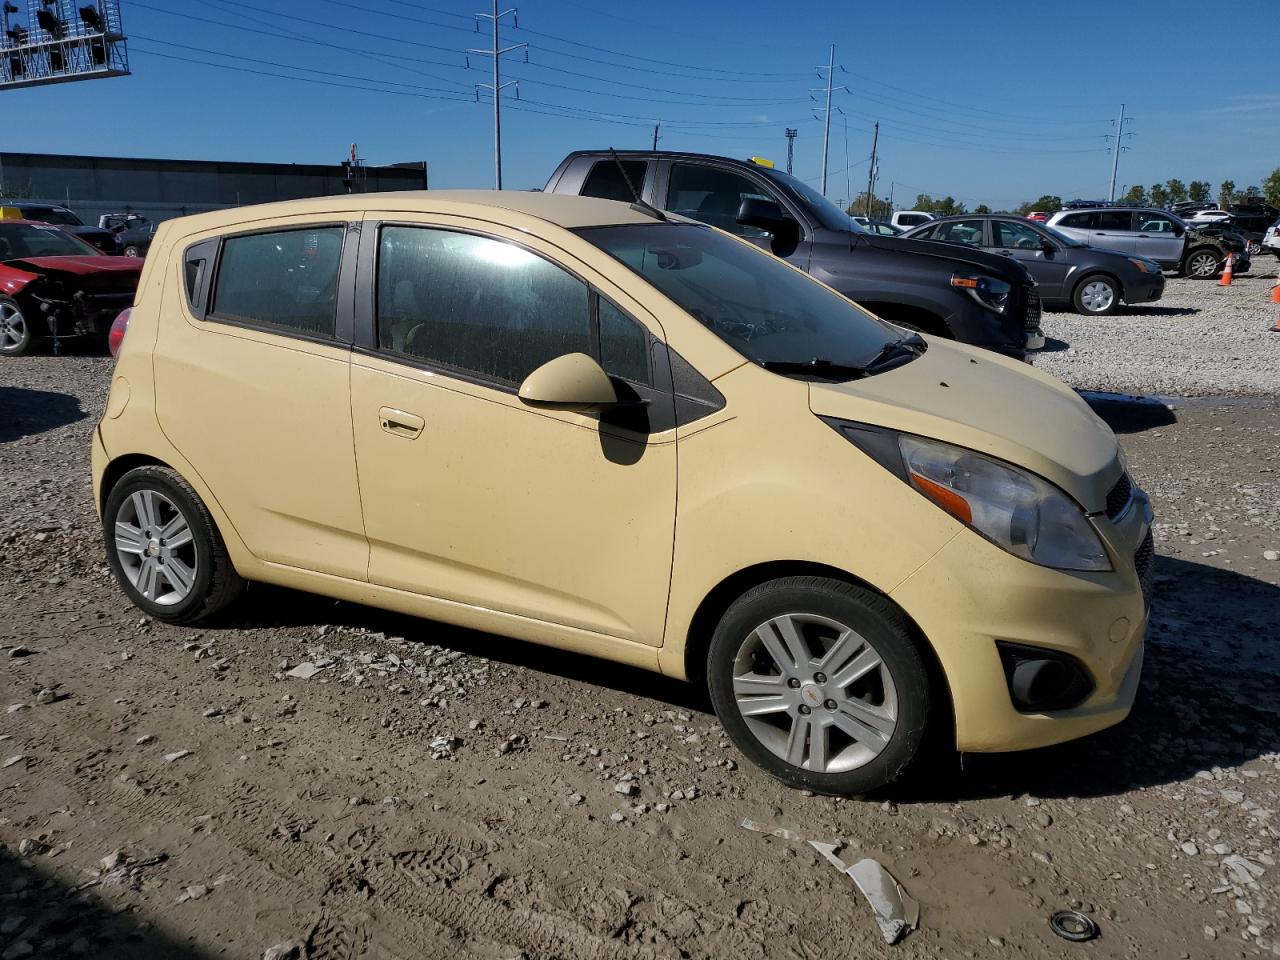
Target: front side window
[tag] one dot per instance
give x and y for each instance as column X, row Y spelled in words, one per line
column 608, row 179
column 968, row 232
column 624, row 345
column 713, row 196
column 479, row 305
column 286, row 280
column 764, row 309
column 1154, row 223
column 1014, row 235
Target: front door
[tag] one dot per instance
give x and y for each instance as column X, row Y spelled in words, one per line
column 548, row 517
column 1044, row 259
column 252, row 374
column 1158, row 237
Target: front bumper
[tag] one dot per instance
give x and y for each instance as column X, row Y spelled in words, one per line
column 1144, row 288
column 82, row 314
column 972, row 594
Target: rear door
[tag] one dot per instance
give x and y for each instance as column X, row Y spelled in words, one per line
column 252, row 371
column 1158, row 237
column 1077, row 226
column 1044, row 259
column 1114, row 230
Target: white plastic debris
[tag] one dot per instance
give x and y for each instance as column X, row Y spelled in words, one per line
column 896, row 913
column 1243, row 870
column 305, row 671
column 782, row 833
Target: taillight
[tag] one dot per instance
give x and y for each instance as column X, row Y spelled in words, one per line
column 119, row 326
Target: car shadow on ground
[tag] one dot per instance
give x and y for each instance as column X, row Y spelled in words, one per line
column 1143, row 310
column 1180, row 725
column 1054, row 345
column 1125, row 414
column 53, row 915
column 27, row 412
column 1210, row 697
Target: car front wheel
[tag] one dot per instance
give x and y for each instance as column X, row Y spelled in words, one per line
column 820, row 683
column 1097, row 296
column 1202, row 264
column 17, row 333
column 164, row 549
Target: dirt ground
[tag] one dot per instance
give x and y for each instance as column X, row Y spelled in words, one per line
column 170, row 792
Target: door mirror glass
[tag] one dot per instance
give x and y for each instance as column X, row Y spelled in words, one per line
column 765, row 214
column 570, row 380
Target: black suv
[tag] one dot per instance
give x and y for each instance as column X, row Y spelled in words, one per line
column 937, row 288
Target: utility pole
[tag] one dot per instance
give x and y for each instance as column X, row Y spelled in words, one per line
column 497, row 86
column 1115, row 160
column 871, row 173
column 656, row 127
column 791, row 142
column 826, row 116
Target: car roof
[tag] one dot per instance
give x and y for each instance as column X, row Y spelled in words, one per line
column 560, row 209
column 34, row 223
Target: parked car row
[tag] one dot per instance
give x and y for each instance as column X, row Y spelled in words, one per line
column 127, row 234
column 609, row 428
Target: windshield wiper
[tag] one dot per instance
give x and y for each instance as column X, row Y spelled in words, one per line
column 895, row 353
column 817, row 367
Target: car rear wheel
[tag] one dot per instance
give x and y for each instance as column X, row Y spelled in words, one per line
column 164, row 549
column 17, row 334
column 1202, row 264
column 819, row 682
column 1097, row 295
column 131, row 251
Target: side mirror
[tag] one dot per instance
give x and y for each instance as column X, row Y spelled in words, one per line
column 118, row 228
column 1048, row 247
column 764, row 214
column 568, row 381
column 1178, row 231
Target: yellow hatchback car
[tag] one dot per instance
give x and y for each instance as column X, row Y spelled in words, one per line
column 601, row 428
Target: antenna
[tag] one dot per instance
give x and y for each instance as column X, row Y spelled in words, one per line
column 640, row 206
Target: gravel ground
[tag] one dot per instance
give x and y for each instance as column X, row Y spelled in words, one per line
column 1200, row 339
column 172, row 792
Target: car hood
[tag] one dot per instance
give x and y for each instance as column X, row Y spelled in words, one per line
column 78, row 265
column 967, row 258
column 976, row 399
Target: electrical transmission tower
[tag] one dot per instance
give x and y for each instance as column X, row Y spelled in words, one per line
column 496, row 88
column 791, row 142
column 1115, row 158
column 826, row 113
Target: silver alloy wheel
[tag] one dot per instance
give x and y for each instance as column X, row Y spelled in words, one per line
column 13, row 328
column 815, row 692
column 155, row 546
column 1202, row 265
column 1097, row 296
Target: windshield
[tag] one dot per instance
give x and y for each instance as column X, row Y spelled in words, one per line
column 769, row 312
column 21, row 240
column 51, row 215
column 828, row 214
column 1062, row 238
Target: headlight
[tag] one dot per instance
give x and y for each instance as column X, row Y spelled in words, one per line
column 988, row 291
column 1014, row 509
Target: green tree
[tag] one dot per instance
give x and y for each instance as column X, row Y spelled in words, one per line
column 880, row 208
column 1047, row 204
column 1226, row 193
column 1250, row 193
column 1136, row 197
column 1198, row 191
column 1271, row 188
column 983, row 208
column 1177, row 190
column 1159, row 195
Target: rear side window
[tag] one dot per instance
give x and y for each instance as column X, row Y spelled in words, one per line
column 968, row 232
column 1080, row 221
column 287, row 280
column 911, row 219
column 476, row 304
column 607, row 182
column 1114, row 220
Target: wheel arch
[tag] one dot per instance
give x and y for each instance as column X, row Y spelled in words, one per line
column 118, row 467
column 723, row 594
column 927, row 321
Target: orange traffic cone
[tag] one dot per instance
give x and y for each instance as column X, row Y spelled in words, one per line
column 1275, row 327
column 1275, row 290
column 1228, row 272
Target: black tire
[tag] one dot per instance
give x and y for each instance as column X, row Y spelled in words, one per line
column 215, row 583
column 130, row 251
column 1097, row 295
column 874, row 621
column 1202, row 263
column 19, row 335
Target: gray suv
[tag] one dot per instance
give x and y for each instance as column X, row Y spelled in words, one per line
column 1153, row 234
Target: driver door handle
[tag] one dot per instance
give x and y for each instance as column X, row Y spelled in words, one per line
column 400, row 423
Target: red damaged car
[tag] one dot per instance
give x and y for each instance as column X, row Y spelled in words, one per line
column 54, row 285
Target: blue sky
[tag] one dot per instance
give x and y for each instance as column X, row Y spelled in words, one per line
column 989, row 102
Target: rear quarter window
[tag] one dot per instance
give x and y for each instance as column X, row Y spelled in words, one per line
column 607, row 181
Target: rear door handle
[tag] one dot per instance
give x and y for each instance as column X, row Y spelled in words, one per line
column 400, row 423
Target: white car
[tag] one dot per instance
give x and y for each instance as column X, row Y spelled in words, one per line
column 906, row 219
column 1271, row 239
column 1207, row 216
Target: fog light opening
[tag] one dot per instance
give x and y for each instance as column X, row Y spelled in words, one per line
column 1042, row 680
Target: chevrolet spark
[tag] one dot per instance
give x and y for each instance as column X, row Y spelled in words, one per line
column 613, row 431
